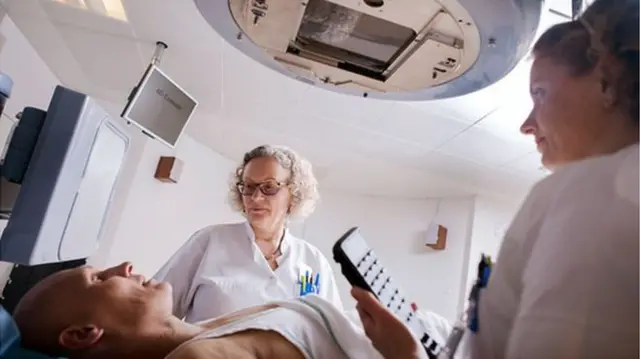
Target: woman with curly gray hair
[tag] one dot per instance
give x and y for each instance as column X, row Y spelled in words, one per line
column 226, row 267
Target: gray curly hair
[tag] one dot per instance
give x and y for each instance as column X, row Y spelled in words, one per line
column 303, row 185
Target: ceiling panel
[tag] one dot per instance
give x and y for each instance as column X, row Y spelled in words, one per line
column 481, row 146
column 325, row 139
column 425, row 129
column 247, row 136
column 478, row 177
column 444, row 164
column 35, row 24
column 505, row 122
column 178, row 23
column 325, row 133
column 466, row 108
column 346, row 109
column 80, row 15
column 76, row 25
column 247, row 83
column 501, row 183
column 87, row 49
column 366, row 175
column 385, row 148
column 255, row 117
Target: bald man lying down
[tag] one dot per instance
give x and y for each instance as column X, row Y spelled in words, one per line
column 86, row 313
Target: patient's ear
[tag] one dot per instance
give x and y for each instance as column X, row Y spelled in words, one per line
column 80, row 337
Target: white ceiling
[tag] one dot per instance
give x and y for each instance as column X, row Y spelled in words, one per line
column 459, row 146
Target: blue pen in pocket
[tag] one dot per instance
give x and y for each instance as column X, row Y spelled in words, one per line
column 317, row 284
column 484, row 272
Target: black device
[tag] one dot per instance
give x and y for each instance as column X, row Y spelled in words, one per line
column 362, row 268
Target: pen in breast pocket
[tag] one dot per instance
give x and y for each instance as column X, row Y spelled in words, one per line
column 317, row 283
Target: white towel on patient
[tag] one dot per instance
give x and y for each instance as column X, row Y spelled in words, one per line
column 315, row 326
column 321, row 331
column 347, row 336
column 346, row 328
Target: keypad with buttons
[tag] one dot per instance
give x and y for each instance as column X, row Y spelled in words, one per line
column 362, row 267
column 382, row 285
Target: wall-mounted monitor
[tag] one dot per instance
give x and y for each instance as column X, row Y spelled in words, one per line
column 159, row 107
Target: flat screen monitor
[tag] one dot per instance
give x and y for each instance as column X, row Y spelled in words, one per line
column 160, row 107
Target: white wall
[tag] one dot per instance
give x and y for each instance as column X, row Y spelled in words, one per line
column 396, row 229
column 491, row 219
column 158, row 217
column 33, row 80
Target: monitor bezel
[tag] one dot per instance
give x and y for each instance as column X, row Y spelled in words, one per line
column 136, row 94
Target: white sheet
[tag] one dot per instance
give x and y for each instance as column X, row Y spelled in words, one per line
column 312, row 324
column 320, row 330
column 347, row 335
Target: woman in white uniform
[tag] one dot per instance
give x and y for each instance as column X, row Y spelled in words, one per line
column 226, row 267
column 566, row 281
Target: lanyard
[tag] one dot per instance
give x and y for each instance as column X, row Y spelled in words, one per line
column 469, row 318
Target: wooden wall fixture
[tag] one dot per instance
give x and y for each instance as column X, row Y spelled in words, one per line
column 436, row 237
column 169, row 169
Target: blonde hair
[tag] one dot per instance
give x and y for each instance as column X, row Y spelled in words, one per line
column 302, row 184
column 604, row 37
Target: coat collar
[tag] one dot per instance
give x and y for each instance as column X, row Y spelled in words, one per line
column 286, row 238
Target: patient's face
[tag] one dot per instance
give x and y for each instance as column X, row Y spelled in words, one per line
column 75, row 308
column 115, row 298
column 122, row 290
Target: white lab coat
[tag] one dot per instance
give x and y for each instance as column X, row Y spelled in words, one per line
column 220, row 270
column 566, row 280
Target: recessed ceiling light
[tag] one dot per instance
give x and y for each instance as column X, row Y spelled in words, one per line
column 110, row 8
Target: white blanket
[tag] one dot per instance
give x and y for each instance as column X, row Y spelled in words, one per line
column 347, row 335
column 320, row 330
column 315, row 326
column 347, row 331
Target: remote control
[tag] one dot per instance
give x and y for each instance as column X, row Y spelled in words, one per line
column 362, row 268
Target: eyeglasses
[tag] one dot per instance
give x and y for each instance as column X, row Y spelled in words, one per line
column 268, row 188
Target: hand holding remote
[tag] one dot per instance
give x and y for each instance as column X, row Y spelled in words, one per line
column 364, row 271
column 388, row 334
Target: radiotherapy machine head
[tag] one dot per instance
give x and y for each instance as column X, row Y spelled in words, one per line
column 409, row 50
column 57, row 180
